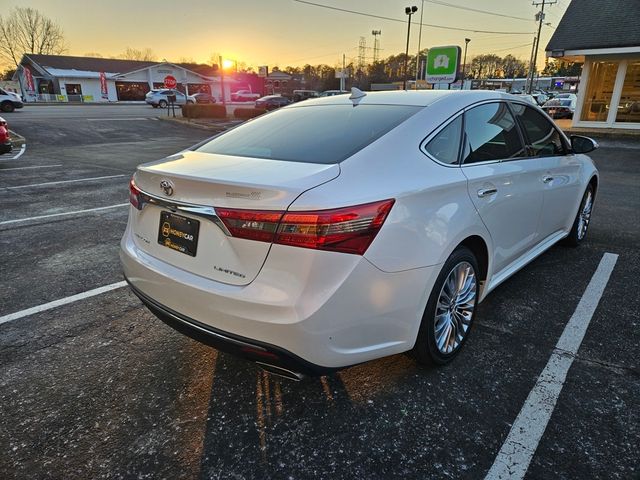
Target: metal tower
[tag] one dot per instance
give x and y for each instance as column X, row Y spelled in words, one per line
column 376, row 45
column 362, row 51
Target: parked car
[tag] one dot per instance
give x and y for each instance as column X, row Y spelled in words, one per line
column 527, row 98
column 244, row 96
column 9, row 101
column 201, row 98
column 299, row 95
column 293, row 240
column 331, row 93
column 561, row 107
column 5, row 138
column 160, row 98
column 271, row 102
column 540, row 97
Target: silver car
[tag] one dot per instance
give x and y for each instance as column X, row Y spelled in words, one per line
column 160, row 98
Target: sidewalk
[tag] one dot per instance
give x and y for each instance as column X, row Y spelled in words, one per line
column 613, row 133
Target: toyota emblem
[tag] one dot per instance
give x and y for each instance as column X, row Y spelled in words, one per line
column 167, row 187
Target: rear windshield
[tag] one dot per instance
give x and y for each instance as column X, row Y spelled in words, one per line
column 315, row 134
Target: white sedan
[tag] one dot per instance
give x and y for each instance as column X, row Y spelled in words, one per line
column 346, row 228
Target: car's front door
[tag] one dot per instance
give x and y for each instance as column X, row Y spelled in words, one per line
column 503, row 182
column 560, row 178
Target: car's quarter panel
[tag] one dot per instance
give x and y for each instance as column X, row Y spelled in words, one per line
column 432, row 209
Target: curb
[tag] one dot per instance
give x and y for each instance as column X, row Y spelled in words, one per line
column 213, row 127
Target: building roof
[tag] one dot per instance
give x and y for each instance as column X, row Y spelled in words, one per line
column 596, row 24
column 89, row 64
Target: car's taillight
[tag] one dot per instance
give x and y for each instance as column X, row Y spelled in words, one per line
column 347, row 230
column 134, row 195
column 258, row 225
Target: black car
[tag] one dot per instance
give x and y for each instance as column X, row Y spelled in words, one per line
column 271, row 102
column 203, row 98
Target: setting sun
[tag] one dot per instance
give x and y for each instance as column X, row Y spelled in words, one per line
column 227, row 64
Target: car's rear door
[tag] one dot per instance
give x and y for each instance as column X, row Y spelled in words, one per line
column 560, row 178
column 503, row 182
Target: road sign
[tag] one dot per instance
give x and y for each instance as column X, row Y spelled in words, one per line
column 170, row 81
column 443, row 64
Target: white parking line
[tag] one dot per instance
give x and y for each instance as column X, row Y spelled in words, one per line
column 520, row 445
column 76, row 212
column 60, row 302
column 46, row 184
column 18, row 155
column 27, row 168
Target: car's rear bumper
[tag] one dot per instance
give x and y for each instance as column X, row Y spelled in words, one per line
column 317, row 310
column 250, row 349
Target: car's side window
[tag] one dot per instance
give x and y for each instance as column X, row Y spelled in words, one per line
column 543, row 136
column 445, row 146
column 491, row 133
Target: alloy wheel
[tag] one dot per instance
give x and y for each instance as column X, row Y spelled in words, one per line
column 454, row 310
column 585, row 215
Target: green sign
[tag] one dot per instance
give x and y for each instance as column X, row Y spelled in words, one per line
column 443, row 64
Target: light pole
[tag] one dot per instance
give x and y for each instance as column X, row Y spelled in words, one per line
column 409, row 11
column 464, row 62
column 419, row 42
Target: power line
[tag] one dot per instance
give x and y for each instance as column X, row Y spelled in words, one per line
column 329, row 7
column 445, row 4
column 513, row 48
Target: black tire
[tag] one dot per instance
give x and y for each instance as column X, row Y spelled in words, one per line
column 7, row 106
column 426, row 350
column 576, row 237
column 162, row 104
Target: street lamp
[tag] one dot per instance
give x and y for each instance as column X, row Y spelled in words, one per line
column 464, row 62
column 409, row 11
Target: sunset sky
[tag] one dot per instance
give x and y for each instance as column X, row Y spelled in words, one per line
column 286, row 32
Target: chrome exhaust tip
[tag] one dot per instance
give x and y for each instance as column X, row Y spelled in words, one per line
column 281, row 372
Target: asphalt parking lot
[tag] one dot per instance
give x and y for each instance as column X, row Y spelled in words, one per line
column 99, row 388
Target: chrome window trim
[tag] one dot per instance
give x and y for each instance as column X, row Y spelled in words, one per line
column 202, row 211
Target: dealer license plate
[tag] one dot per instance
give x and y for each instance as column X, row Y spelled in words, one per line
column 178, row 233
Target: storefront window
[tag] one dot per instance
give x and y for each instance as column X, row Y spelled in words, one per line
column 131, row 90
column 629, row 107
column 602, row 77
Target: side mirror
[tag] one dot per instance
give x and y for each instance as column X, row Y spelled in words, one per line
column 580, row 144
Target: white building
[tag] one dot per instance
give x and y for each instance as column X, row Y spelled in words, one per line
column 606, row 37
column 58, row 78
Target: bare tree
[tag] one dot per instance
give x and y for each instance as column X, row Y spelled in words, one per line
column 26, row 30
column 146, row 55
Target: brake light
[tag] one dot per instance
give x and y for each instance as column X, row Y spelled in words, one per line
column 347, row 230
column 250, row 224
column 134, row 195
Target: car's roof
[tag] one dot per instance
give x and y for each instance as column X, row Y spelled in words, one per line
column 419, row 98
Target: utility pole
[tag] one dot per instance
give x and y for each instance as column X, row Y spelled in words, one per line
column 221, row 68
column 342, row 79
column 419, row 41
column 540, row 19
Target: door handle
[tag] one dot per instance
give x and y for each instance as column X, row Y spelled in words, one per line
column 547, row 179
column 485, row 192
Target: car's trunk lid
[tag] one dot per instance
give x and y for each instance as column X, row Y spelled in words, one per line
column 210, row 180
